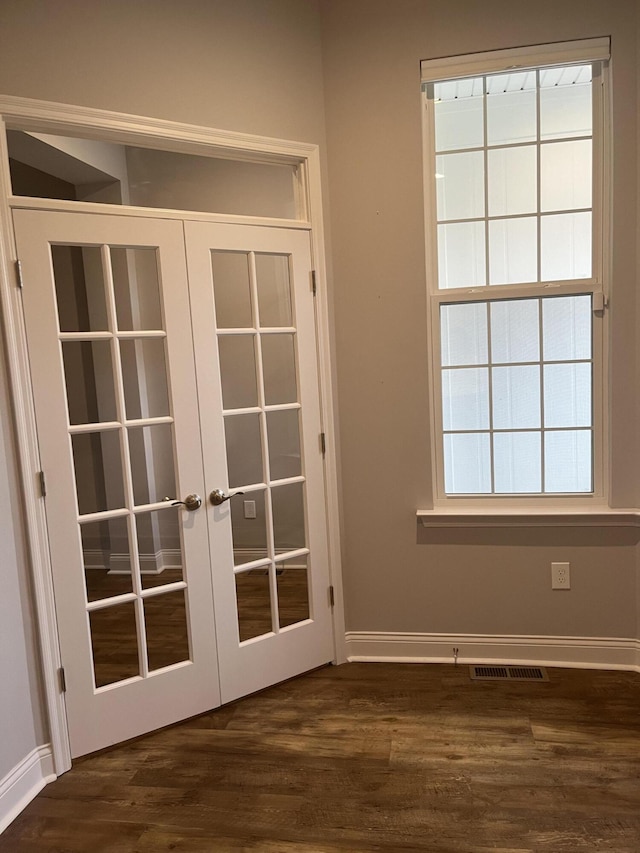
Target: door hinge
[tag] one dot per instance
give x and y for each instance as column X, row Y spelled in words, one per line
column 314, row 285
column 323, row 443
column 43, row 485
column 19, row 274
column 332, row 597
column 62, row 678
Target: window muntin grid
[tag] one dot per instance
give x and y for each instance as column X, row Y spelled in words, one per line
column 517, row 410
column 513, row 166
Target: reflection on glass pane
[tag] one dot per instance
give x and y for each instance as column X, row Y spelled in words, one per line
column 88, row 374
column 159, row 536
column 467, row 463
column 513, row 254
column 288, row 517
column 238, row 371
column 517, row 463
column 460, row 185
column 274, row 290
column 458, row 114
column 463, row 334
column 565, row 102
column 249, row 534
column 144, row 375
column 566, row 328
column 152, row 468
column 516, row 397
column 515, row 331
column 98, row 469
column 253, row 595
column 512, row 181
column 231, row 290
column 566, row 246
column 115, row 643
column 244, row 449
column 279, row 367
column 137, row 288
column 465, row 398
column 293, row 591
column 461, row 255
column 106, row 557
column 567, row 395
column 284, row 444
column 165, row 619
column 565, row 175
column 79, row 280
column 511, row 108
column 567, row 461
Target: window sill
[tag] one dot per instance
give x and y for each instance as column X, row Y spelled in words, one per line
column 432, row 518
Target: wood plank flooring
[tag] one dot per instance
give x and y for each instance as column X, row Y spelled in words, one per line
column 366, row 758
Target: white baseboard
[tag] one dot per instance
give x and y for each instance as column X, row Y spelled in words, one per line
column 21, row 784
column 577, row 652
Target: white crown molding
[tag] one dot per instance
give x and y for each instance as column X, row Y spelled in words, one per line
column 572, row 652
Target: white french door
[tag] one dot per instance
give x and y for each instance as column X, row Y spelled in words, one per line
column 171, row 361
column 260, row 409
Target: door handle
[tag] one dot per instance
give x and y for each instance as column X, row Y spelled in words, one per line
column 218, row 497
column 191, row 502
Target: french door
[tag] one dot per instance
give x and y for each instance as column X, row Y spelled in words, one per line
column 174, row 378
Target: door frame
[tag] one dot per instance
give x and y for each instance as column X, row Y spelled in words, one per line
column 48, row 117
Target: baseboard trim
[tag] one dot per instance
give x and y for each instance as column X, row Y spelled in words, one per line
column 575, row 652
column 21, row 784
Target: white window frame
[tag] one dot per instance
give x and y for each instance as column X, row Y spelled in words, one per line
column 475, row 65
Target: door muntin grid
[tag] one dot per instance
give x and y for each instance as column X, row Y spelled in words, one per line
column 112, row 336
column 263, row 437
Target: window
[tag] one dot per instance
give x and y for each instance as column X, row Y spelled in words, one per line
column 514, row 165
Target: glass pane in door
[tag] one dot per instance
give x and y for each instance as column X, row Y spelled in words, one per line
column 115, row 643
column 293, row 590
column 98, row 468
column 160, row 551
column 232, row 290
column 80, row 288
column 89, row 381
column 137, row 288
column 274, row 290
column 165, row 619
column 253, row 594
column 144, row 376
column 152, row 463
column 107, row 558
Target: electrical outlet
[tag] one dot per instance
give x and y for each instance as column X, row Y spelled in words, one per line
column 249, row 509
column 560, row 576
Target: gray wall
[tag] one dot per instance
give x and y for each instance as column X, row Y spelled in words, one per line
column 398, row 578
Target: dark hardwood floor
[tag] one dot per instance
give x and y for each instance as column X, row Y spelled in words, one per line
column 368, row 758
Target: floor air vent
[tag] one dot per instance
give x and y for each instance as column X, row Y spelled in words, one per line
column 508, row 673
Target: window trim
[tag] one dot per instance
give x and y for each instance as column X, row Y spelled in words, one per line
column 435, row 70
